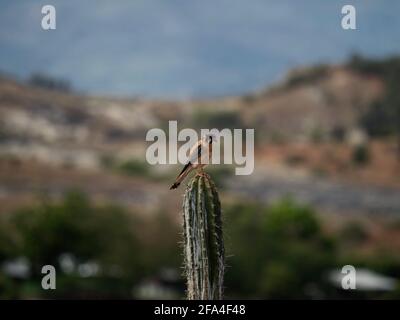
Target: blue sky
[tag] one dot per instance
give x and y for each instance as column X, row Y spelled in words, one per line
column 178, row 48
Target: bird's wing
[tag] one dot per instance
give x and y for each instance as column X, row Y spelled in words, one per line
column 196, row 156
column 196, row 152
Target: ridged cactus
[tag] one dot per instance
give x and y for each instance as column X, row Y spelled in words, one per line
column 203, row 240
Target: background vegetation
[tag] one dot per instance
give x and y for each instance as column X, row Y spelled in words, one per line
column 278, row 251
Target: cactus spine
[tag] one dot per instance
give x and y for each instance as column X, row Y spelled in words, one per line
column 203, row 240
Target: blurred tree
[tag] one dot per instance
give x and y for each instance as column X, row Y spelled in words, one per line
column 216, row 119
column 278, row 252
column 361, row 155
column 383, row 116
column 95, row 237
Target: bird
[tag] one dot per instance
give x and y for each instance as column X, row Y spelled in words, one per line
column 199, row 156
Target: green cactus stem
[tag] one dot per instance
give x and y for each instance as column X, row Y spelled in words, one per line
column 203, row 240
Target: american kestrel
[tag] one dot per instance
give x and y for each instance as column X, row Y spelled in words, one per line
column 199, row 156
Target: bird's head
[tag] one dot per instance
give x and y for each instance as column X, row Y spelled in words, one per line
column 209, row 138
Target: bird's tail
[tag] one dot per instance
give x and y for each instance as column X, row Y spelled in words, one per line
column 181, row 176
column 175, row 185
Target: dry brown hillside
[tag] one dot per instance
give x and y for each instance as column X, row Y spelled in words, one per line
column 312, row 100
column 97, row 144
column 309, row 101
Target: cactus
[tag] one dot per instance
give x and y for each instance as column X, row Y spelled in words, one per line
column 203, row 240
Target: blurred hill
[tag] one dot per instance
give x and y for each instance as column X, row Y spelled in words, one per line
column 308, row 127
column 310, row 101
column 325, row 191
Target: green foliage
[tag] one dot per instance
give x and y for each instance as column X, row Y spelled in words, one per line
column 308, row 76
column 378, row 121
column 383, row 116
column 220, row 173
column 361, row 155
column 379, row 67
column 203, row 240
column 92, row 233
column 7, row 242
column 161, row 249
column 107, row 236
column 134, row 168
column 216, row 119
column 276, row 251
column 353, row 233
column 286, row 219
